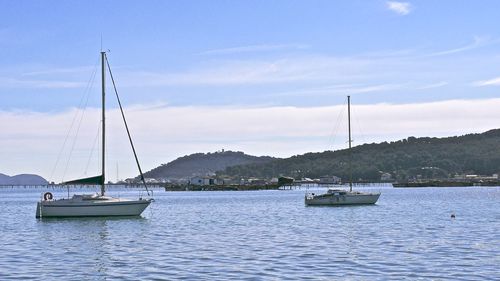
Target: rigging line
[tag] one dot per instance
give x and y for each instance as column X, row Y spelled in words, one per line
column 73, row 121
column 126, row 126
column 79, row 125
column 93, row 148
column 360, row 129
column 340, row 117
column 64, row 144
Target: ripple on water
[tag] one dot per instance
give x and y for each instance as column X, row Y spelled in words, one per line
column 263, row 235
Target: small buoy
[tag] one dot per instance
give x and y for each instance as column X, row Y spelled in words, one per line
column 452, row 216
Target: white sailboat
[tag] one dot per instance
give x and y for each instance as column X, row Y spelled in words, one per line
column 339, row 197
column 87, row 205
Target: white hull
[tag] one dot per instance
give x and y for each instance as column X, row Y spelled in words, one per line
column 100, row 207
column 341, row 198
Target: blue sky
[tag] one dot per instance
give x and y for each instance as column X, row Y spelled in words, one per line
column 205, row 57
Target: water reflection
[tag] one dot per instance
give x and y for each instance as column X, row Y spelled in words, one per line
column 83, row 219
column 90, row 241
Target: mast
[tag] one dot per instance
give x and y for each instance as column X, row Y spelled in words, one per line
column 350, row 152
column 103, row 79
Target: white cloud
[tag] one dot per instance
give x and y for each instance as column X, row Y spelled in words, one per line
column 490, row 82
column 401, row 8
column 31, row 141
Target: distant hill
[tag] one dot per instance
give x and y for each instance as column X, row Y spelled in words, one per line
column 23, row 179
column 409, row 158
column 201, row 164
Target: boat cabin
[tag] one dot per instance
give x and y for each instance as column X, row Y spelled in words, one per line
column 336, row 192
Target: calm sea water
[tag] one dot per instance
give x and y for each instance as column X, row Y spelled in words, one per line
column 259, row 235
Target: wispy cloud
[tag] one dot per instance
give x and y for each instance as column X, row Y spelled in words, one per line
column 349, row 89
column 48, row 78
column 6, row 82
column 84, row 70
column 401, row 8
column 490, row 82
column 368, row 71
column 389, row 53
column 254, row 48
column 248, row 72
column 316, row 69
column 477, row 43
column 341, row 89
column 433, row 85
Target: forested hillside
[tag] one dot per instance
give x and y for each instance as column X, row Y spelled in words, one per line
column 404, row 159
column 203, row 163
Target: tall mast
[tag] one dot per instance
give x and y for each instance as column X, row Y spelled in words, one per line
column 103, row 79
column 350, row 152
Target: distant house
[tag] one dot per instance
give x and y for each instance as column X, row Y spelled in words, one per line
column 151, row 180
column 330, row 180
column 475, row 178
column 163, row 180
column 130, row 180
column 251, row 181
column 203, row 180
column 386, row 177
column 307, row 180
column 257, row 182
column 227, row 181
column 285, row 181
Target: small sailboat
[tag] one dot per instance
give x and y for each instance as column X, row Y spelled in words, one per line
column 339, row 197
column 92, row 205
